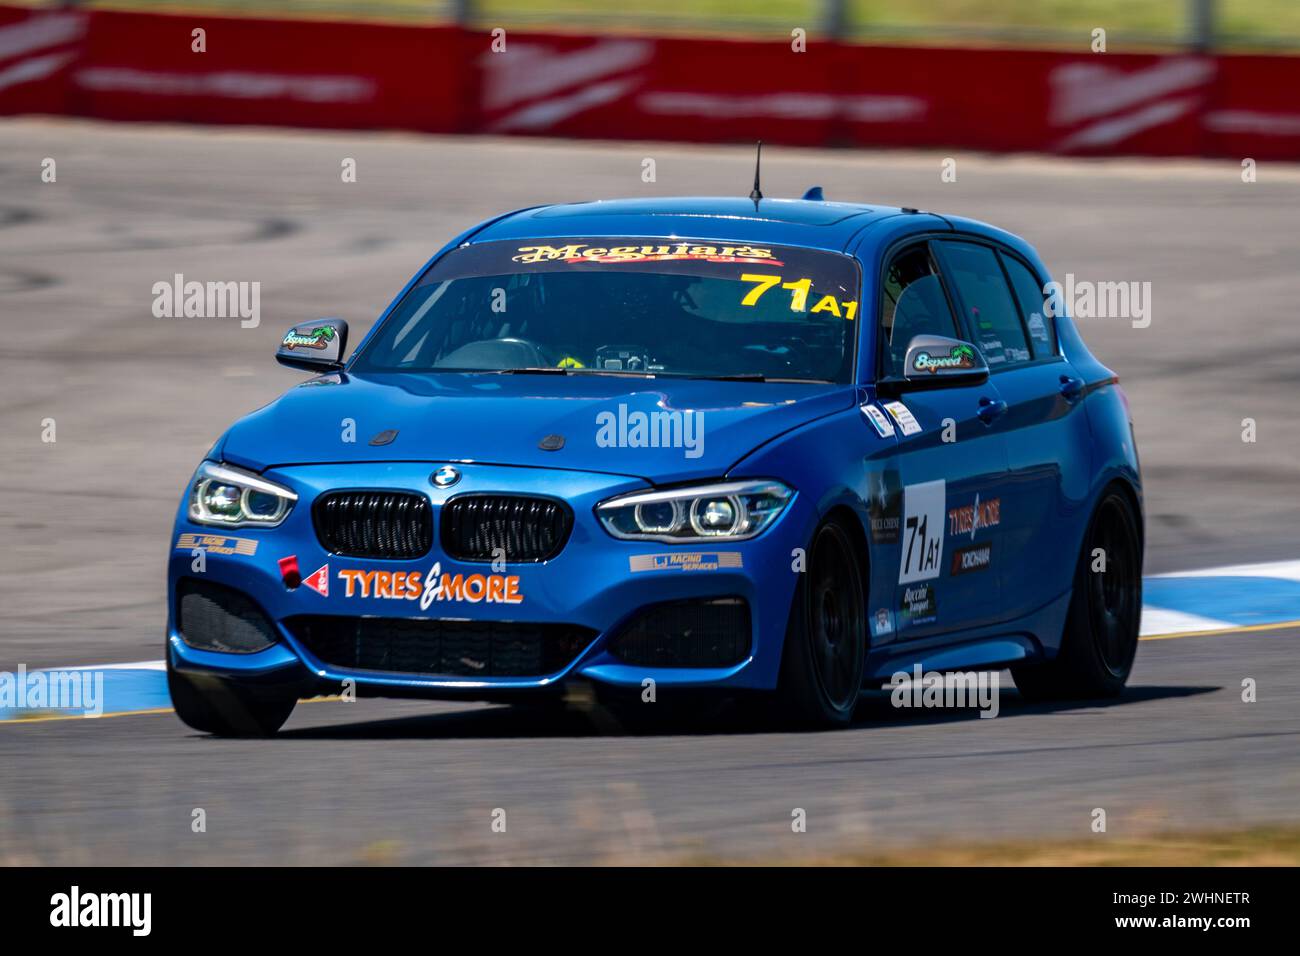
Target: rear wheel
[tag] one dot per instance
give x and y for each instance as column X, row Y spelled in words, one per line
column 214, row 706
column 826, row 639
column 1101, row 629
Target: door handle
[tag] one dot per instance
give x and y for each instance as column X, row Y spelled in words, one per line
column 990, row 409
column 1071, row 388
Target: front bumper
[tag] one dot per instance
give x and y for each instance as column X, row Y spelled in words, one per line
column 597, row 586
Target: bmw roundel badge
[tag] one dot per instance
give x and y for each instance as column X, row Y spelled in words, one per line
column 446, row 476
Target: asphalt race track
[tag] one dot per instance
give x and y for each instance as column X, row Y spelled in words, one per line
column 84, row 521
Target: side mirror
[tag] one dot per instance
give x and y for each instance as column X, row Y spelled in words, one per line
column 936, row 361
column 314, row 346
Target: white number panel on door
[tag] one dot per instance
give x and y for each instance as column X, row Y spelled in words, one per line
column 923, row 527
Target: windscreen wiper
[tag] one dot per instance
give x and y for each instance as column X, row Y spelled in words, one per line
column 547, row 370
column 759, row 377
column 739, row 377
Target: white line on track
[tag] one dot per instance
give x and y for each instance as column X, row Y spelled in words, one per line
column 1284, row 570
column 137, row 666
column 1159, row 620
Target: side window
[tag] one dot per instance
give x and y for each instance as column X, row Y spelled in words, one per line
column 1042, row 329
column 913, row 303
column 991, row 314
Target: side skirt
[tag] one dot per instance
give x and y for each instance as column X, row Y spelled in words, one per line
column 1034, row 636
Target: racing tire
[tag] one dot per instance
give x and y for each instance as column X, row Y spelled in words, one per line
column 826, row 638
column 213, row 706
column 1101, row 626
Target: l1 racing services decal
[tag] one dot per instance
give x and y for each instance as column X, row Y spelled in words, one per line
column 692, row 561
column 216, row 544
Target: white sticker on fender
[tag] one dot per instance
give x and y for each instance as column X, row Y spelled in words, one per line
column 903, row 415
column 923, row 527
column 879, row 420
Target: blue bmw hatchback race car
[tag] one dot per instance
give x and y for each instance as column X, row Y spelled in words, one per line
column 770, row 447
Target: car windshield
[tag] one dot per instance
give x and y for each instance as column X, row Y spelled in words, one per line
column 618, row 306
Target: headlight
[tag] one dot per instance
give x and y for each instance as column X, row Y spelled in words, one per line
column 730, row 511
column 234, row 498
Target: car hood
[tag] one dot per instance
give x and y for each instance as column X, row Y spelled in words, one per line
column 503, row 419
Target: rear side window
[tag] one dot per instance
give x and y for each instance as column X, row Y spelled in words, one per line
column 1042, row 331
column 992, row 316
column 912, row 303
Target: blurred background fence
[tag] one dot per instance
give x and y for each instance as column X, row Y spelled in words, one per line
column 1226, row 25
column 1175, row 78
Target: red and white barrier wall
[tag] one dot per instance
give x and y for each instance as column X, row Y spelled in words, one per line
column 139, row 66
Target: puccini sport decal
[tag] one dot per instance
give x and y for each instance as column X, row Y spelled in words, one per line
column 917, row 605
column 579, row 252
column 431, row 587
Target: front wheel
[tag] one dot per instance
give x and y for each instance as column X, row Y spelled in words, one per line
column 826, row 639
column 214, row 706
column 1101, row 628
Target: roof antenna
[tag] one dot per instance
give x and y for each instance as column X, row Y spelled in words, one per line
column 757, row 194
